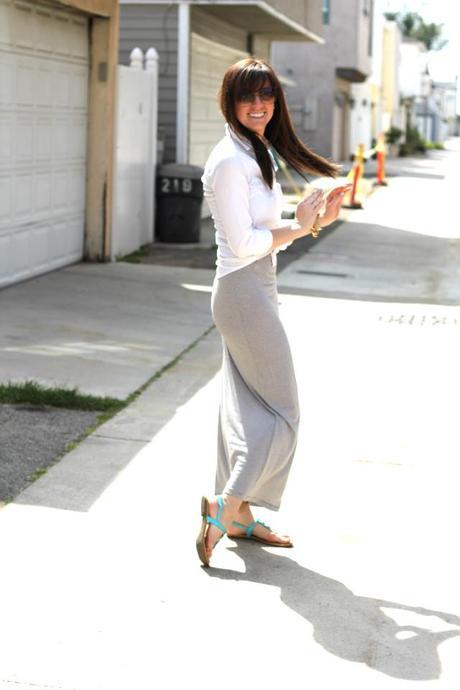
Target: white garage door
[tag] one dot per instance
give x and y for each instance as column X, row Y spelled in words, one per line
column 209, row 61
column 43, row 119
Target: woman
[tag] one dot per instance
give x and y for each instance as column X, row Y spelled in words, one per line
column 259, row 415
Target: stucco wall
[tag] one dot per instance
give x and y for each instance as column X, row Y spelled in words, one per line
column 313, row 69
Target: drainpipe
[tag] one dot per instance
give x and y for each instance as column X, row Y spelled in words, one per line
column 183, row 83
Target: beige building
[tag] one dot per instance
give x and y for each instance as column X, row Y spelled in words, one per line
column 196, row 42
column 57, row 65
column 319, row 96
column 392, row 113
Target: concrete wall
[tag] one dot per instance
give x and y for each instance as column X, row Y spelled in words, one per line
column 413, row 63
column 361, row 116
column 391, row 75
column 351, row 24
column 308, row 13
column 313, row 69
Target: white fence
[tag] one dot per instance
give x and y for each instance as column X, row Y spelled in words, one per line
column 135, row 153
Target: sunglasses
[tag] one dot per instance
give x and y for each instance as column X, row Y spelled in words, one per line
column 266, row 94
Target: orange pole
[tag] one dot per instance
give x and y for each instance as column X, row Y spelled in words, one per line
column 380, row 149
column 358, row 171
column 355, row 184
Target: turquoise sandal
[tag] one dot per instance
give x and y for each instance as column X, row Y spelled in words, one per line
column 208, row 520
column 249, row 534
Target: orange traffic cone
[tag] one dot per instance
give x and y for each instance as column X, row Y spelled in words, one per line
column 355, row 174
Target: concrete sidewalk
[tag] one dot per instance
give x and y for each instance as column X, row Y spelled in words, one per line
column 106, row 328
column 104, row 587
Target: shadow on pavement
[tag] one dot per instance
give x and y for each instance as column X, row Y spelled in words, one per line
column 351, row 627
column 370, row 262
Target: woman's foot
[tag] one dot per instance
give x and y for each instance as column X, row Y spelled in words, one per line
column 260, row 531
column 223, row 515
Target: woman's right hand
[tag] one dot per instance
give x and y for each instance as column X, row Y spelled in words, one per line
column 308, row 209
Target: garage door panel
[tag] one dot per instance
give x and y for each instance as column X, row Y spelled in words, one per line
column 75, row 245
column 60, row 140
column 5, row 199
column 22, row 197
column 7, row 80
column 6, row 141
column 59, row 240
column 44, row 76
column 5, row 254
column 60, row 194
column 21, row 255
column 5, row 31
column 78, row 40
column 23, row 26
column 75, row 192
column 62, row 36
column 24, row 137
column 43, row 19
column 40, row 245
column 25, row 87
column 43, row 138
column 44, row 92
column 79, row 89
column 68, row 192
column 42, row 195
column 77, row 149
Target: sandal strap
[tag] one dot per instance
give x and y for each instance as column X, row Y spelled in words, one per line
column 218, row 524
column 250, row 528
column 216, row 521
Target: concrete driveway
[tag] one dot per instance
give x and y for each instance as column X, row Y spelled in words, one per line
column 103, row 589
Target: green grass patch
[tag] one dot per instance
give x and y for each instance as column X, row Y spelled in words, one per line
column 32, row 393
column 137, row 256
column 37, row 474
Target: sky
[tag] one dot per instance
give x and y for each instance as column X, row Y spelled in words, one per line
column 444, row 65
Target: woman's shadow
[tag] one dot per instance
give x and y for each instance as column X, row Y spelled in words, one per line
column 352, row 627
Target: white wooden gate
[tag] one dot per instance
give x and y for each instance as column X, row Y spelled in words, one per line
column 135, row 153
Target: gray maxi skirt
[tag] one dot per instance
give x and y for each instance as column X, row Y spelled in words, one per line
column 259, row 409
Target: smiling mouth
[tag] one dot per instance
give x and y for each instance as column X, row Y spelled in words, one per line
column 258, row 116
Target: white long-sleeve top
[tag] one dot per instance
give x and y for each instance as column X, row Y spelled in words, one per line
column 243, row 207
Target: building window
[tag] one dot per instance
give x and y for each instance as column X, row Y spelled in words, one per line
column 326, row 11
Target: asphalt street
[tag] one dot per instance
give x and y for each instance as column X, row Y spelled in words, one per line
column 105, row 590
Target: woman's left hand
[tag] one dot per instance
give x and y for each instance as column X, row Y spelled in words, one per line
column 333, row 203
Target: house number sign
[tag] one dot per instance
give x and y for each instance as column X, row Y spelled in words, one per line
column 174, row 185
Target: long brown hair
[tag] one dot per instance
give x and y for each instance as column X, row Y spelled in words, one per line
column 250, row 74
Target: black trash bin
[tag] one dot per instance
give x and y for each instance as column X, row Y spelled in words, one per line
column 179, row 195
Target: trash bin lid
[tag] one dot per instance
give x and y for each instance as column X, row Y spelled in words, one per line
column 180, row 170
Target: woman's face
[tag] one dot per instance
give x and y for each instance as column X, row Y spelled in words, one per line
column 255, row 110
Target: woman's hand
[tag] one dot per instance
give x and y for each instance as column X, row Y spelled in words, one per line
column 333, row 203
column 308, row 209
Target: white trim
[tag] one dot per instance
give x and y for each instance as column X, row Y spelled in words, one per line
column 183, row 83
